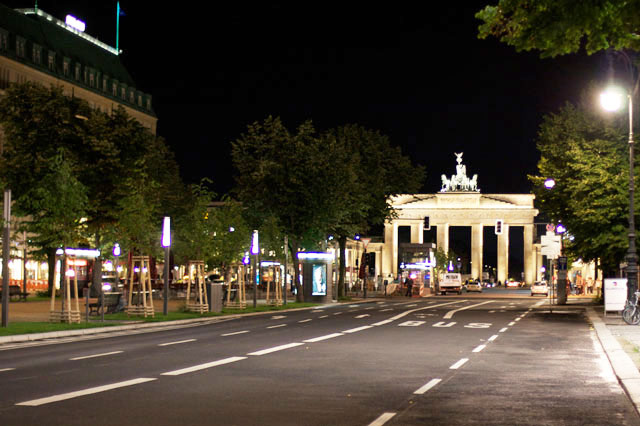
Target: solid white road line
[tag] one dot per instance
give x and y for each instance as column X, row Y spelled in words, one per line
column 277, row 326
column 318, row 339
column 204, row 366
column 89, row 391
column 459, row 364
column 383, row 322
column 503, row 329
column 479, row 348
column 179, row 342
column 275, row 349
column 382, row 419
column 492, row 338
column 354, row 330
column 404, row 314
column 428, row 386
column 6, row 369
column 450, row 314
column 306, row 320
column 95, row 356
column 234, row 333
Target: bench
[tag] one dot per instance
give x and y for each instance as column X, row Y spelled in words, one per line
column 16, row 291
column 111, row 301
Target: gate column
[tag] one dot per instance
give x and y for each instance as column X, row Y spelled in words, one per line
column 477, row 245
column 503, row 254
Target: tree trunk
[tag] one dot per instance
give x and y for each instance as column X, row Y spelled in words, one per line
column 342, row 241
column 296, row 269
column 51, row 262
column 96, row 278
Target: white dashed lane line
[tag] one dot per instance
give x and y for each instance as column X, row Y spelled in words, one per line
column 277, row 326
column 187, row 341
column 427, row 386
column 385, row 417
column 275, row 349
column 459, row 364
column 6, row 369
column 234, row 333
column 95, row 355
column 305, row 320
column 204, row 366
column 321, row 338
column 479, row 348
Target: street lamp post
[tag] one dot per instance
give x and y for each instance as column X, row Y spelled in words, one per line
column 611, row 101
column 166, row 243
column 255, row 250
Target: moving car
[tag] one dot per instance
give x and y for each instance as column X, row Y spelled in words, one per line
column 451, row 282
column 512, row 283
column 540, row 287
column 474, row 286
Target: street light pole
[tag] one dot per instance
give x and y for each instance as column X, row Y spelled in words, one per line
column 632, row 256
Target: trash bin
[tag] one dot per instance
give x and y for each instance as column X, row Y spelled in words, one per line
column 214, row 296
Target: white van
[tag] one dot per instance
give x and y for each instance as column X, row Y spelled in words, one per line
column 451, row 282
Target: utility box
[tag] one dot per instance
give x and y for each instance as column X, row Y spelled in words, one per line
column 214, row 295
column 317, row 276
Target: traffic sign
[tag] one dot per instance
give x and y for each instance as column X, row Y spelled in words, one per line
column 550, row 246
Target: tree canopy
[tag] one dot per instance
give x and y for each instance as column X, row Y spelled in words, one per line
column 585, row 152
column 558, row 27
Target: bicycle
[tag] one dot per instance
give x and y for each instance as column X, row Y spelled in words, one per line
column 631, row 312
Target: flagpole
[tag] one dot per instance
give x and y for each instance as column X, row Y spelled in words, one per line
column 118, row 28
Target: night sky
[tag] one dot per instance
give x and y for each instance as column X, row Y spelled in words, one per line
column 418, row 74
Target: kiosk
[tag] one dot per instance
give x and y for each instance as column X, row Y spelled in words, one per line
column 316, row 272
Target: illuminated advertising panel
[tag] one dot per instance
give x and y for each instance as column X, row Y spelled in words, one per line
column 319, row 280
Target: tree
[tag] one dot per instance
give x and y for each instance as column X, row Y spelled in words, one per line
column 558, row 27
column 442, row 261
column 585, row 153
column 371, row 171
column 288, row 176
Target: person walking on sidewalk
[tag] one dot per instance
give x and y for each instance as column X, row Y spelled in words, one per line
column 409, row 283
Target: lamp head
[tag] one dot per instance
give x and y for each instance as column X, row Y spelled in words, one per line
column 612, row 99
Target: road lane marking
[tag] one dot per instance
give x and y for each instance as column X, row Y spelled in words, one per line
column 354, row 330
column 450, row 314
column 411, row 323
column 178, row 342
column 234, row 333
column 412, row 306
column 385, row 310
column 321, row 338
column 369, row 308
column 512, row 323
column 337, row 313
column 278, row 316
column 503, row 329
column 277, row 326
column 404, row 314
column 275, row 349
column 317, row 310
column 427, row 386
column 479, row 348
column 324, row 316
column 204, row 366
column 383, row 322
column 363, row 316
column 517, row 319
column 95, row 355
column 459, row 364
column 443, row 324
column 382, row 419
column 305, row 320
column 6, row 369
column 492, row 338
column 89, row 391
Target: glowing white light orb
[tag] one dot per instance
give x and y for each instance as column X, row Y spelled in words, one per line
column 612, row 99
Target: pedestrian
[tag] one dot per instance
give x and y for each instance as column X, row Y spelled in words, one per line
column 409, row 283
column 590, row 285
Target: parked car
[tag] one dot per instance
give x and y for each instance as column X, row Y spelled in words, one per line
column 540, row 287
column 512, row 283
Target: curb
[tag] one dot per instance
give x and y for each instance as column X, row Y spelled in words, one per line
column 622, row 365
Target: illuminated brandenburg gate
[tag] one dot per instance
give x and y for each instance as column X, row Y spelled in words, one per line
column 460, row 203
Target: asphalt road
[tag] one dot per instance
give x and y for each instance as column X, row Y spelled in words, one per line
column 444, row 361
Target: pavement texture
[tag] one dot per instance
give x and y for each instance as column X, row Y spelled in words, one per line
column 620, row 341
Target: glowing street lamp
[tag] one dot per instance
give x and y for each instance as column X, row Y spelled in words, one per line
column 166, row 243
column 549, row 183
column 255, row 250
column 613, row 100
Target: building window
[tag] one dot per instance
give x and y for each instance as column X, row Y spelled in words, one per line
column 123, row 93
column 4, row 40
column 37, row 54
column 105, row 81
column 92, row 78
column 66, row 67
column 77, row 75
column 20, row 47
column 132, row 96
column 148, row 103
column 51, row 61
column 114, row 88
